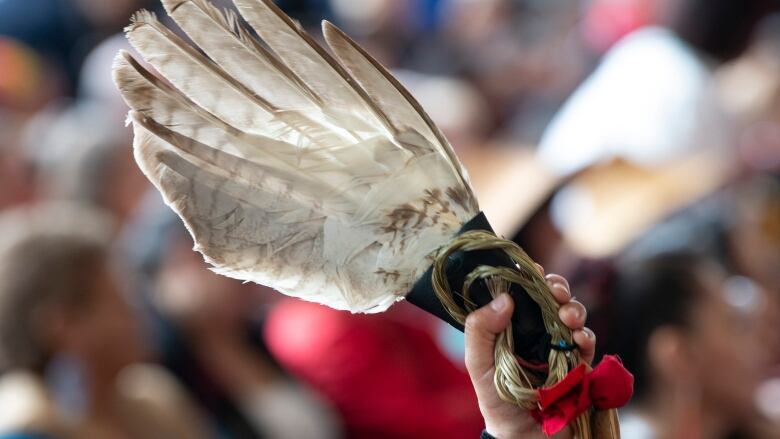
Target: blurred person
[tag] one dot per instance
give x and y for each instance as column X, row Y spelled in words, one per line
column 607, row 21
column 389, row 29
column 652, row 98
column 64, row 31
column 720, row 30
column 51, row 28
column 646, row 135
column 26, row 82
column 695, row 338
column 736, row 226
column 96, row 87
column 113, row 15
column 749, row 84
column 79, row 154
column 26, row 86
column 522, row 56
column 754, row 230
column 70, row 343
column 17, row 182
column 739, row 226
column 209, row 332
column 385, row 373
column 462, row 117
column 750, row 90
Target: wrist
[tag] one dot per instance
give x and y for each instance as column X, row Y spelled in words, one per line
column 504, row 432
column 511, row 429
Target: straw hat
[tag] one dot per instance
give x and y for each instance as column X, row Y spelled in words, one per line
column 643, row 137
column 511, row 183
column 608, row 206
column 601, row 209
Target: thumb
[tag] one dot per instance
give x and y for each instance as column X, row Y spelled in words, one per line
column 481, row 328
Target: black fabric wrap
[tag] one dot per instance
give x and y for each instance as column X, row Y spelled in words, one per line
column 532, row 342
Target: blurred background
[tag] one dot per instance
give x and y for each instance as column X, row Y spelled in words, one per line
column 631, row 145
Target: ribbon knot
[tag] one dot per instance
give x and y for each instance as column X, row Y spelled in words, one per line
column 608, row 386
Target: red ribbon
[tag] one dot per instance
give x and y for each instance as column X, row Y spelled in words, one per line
column 608, row 386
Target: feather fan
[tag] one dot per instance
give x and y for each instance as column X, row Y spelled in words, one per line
column 318, row 175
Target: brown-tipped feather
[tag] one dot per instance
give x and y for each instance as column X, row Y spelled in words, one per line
column 360, row 64
column 284, row 168
column 340, row 78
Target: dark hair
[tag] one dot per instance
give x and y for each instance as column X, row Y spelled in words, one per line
column 649, row 294
column 721, row 29
column 48, row 256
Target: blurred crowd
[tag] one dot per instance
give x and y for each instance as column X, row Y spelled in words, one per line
column 631, row 145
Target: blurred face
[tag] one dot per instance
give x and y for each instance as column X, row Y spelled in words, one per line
column 729, row 350
column 755, row 236
column 197, row 297
column 105, row 331
column 109, row 13
column 127, row 188
column 16, row 184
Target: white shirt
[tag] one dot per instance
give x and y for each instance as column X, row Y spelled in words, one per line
column 650, row 100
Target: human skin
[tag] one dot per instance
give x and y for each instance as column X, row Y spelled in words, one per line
column 502, row 419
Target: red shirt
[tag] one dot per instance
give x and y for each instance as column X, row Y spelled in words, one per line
column 384, row 372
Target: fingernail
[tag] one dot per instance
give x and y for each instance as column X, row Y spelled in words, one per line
column 500, row 303
column 552, row 283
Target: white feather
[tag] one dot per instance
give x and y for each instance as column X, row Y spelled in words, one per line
column 319, row 177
